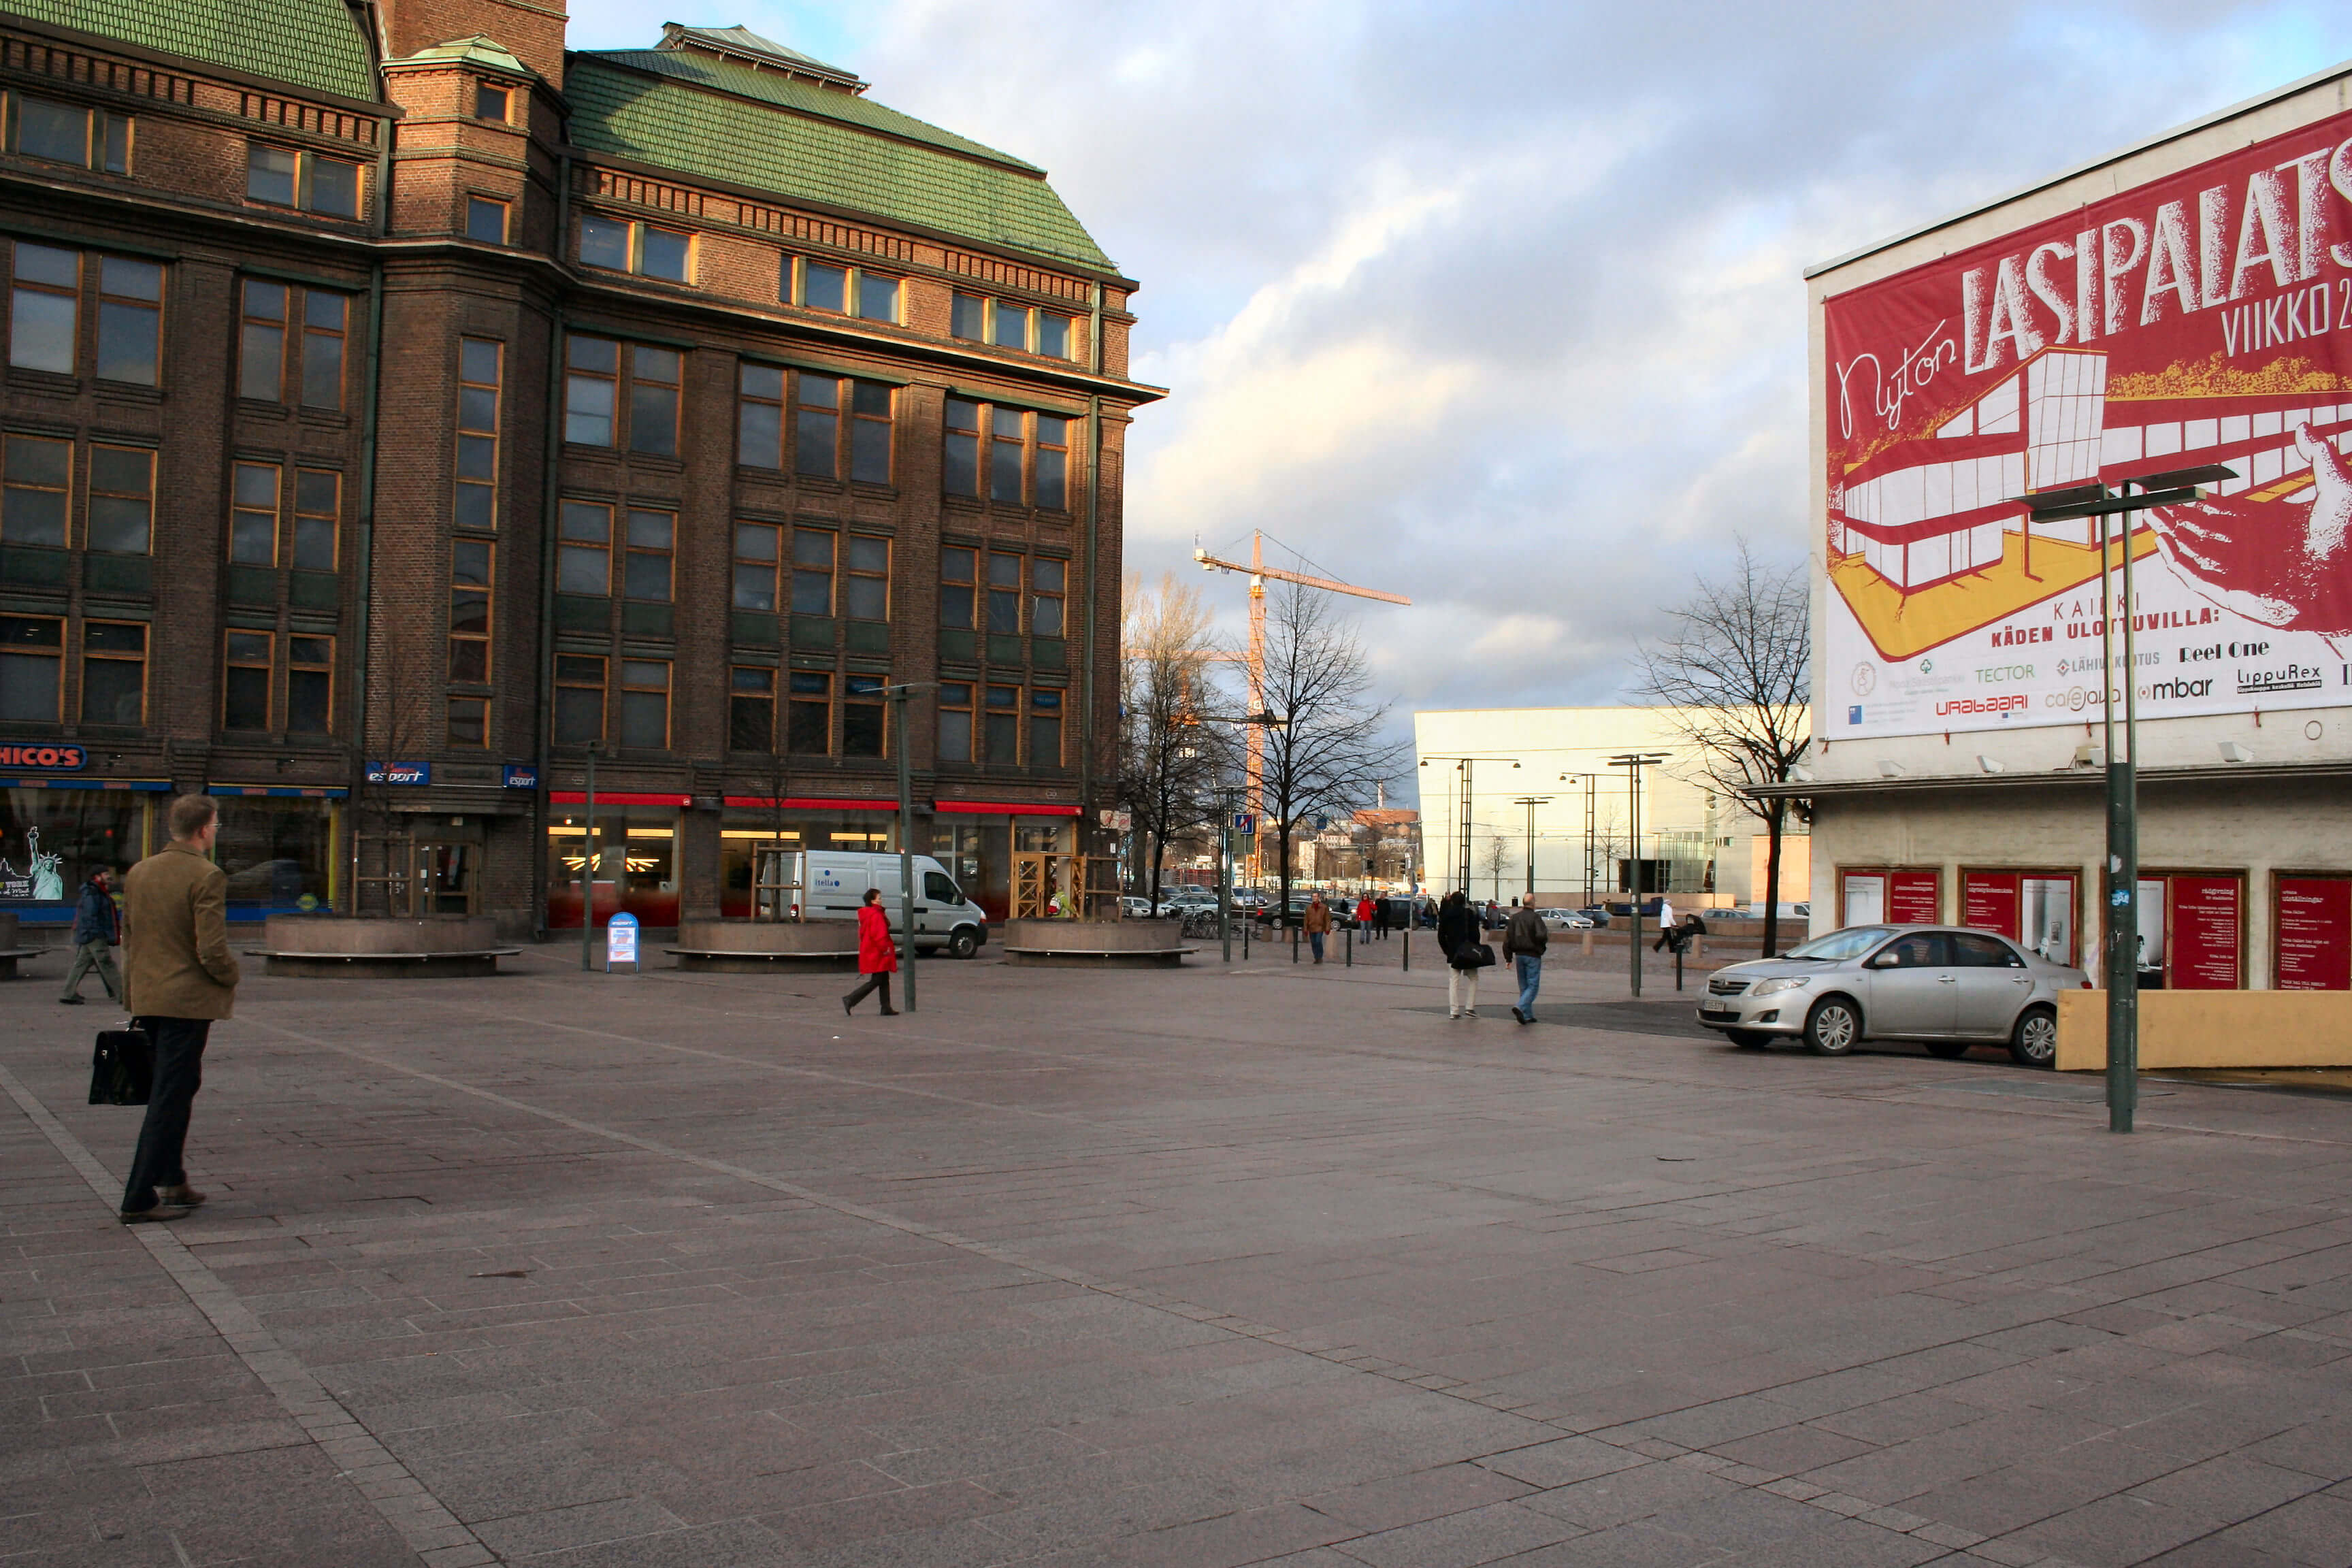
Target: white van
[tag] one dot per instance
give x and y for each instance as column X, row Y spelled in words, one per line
column 944, row 917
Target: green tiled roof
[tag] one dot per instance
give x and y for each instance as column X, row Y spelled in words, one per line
column 304, row 42
column 765, row 130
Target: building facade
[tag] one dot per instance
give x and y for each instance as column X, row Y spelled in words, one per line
column 2178, row 304
column 401, row 408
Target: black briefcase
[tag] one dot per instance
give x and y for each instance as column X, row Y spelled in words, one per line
column 121, row 1067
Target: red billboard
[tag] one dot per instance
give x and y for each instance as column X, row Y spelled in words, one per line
column 2203, row 318
column 2203, row 927
column 2313, row 921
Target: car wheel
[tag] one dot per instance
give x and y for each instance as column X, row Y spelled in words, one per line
column 1749, row 1040
column 1833, row 1027
column 962, row 942
column 2035, row 1042
column 1949, row 1050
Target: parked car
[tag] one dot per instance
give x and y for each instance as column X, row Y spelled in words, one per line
column 1948, row 987
column 1565, row 920
column 1137, row 907
column 1598, row 914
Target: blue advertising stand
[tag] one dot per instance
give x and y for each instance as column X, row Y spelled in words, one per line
column 620, row 942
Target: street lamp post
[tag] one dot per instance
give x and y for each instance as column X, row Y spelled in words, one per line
column 898, row 695
column 1633, row 762
column 588, row 867
column 1465, row 766
column 1532, row 802
column 1592, row 783
column 2122, row 924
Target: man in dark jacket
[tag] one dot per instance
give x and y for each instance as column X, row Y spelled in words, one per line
column 96, row 929
column 1524, row 941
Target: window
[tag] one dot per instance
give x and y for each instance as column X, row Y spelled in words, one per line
column 1002, row 736
column 66, row 133
column 819, row 426
column 1046, row 577
column 870, row 432
column 1011, row 326
column 309, row 685
column 1044, row 729
column 486, row 220
column 490, row 103
column 32, row 653
column 812, row 571
column 756, row 547
column 579, row 699
column 751, row 709
column 1005, row 427
column 968, row 318
column 469, row 721
column 1004, row 594
column 825, row 288
column 130, row 320
column 877, row 298
column 645, row 703
column 113, row 672
column 809, row 713
column 957, row 566
column 760, row 416
column 955, row 721
column 653, row 400
column 584, row 551
column 1972, row 951
column 645, row 564
column 866, row 588
column 33, row 484
column 121, row 500
column 615, row 245
column 253, row 514
column 862, row 716
column 481, row 364
column 1053, row 335
column 45, row 308
column 1050, row 470
column 591, row 385
column 284, row 177
column 244, row 682
column 961, row 466
column 318, row 516
column 261, row 346
column 469, row 610
column 324, row 315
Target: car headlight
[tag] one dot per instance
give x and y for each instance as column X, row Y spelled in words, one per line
column 1774, row 987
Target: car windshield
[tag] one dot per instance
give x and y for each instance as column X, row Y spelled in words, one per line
column 1851, row 942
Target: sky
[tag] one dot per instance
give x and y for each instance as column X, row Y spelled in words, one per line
column 1502, row 306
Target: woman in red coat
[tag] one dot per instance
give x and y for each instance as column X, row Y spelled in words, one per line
column 878, row 960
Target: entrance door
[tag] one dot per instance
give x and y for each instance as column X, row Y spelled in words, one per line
column 448, row 878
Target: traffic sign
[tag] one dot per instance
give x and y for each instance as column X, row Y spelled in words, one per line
column 1244, row 822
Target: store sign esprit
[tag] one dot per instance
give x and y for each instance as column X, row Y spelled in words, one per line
column 400, row 773
column 54, row 755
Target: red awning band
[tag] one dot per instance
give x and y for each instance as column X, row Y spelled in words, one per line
column 811, row 803
column 577, row 797
column 1005, row 808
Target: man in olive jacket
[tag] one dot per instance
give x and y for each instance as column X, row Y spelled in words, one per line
column 179, row 976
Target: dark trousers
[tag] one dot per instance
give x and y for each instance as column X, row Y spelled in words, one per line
column 179, row 1046
column 873, row 982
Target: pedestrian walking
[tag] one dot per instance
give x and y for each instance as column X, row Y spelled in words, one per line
column 1367, row 912
column 1458, row 939
column 877, row 958
column 1316, row 924
column 1524, row 941
column 181, row 980
column 1665, row 926
column 97, row 931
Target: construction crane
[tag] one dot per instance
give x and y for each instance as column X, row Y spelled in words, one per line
column 1254, row 660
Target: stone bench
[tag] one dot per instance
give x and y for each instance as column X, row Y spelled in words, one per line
column 10, row 953
column 1096, row 945
column 362, row 947
column 749, row 947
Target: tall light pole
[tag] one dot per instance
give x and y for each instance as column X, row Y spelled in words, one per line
column 898, row 695
column 1592, row 783
column 588, row 866
column 2123, row 917
column 1465, row 766
column 1633, row 762
column 1532, row 802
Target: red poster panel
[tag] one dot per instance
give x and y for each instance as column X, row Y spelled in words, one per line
column 2315, row 934
column 2203, row 927
column 1989, row 901
column 1914, row 898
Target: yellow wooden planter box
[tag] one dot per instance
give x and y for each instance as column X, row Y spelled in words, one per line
column 2213, row 1029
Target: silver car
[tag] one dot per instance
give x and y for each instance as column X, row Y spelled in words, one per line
column 1948, row 987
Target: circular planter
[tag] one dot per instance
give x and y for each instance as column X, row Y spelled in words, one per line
column 445, row 947
column 745, row 947
column 1096, row 945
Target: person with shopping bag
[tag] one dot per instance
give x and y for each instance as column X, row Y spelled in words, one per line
column 1465, row 955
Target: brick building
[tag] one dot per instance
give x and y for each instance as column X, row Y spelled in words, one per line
column 399, row 405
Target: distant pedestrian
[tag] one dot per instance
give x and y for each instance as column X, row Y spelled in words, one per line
column 1316, row 924
column 181, row 977
column 97, row 931
column 1458, row 939
column 1366, row 913
column 1665, row 926
column 877, row 958
column 1524, row 941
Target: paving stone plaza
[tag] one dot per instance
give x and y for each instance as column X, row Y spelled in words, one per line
column 1271, row 1264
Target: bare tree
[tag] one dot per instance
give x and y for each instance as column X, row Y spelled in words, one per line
column 1735, row 676
column 1499, row 855
column 1169, row 759
column 1329, row 754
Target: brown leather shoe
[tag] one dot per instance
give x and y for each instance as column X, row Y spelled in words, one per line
column 160, row 1211
column 181, row 1196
